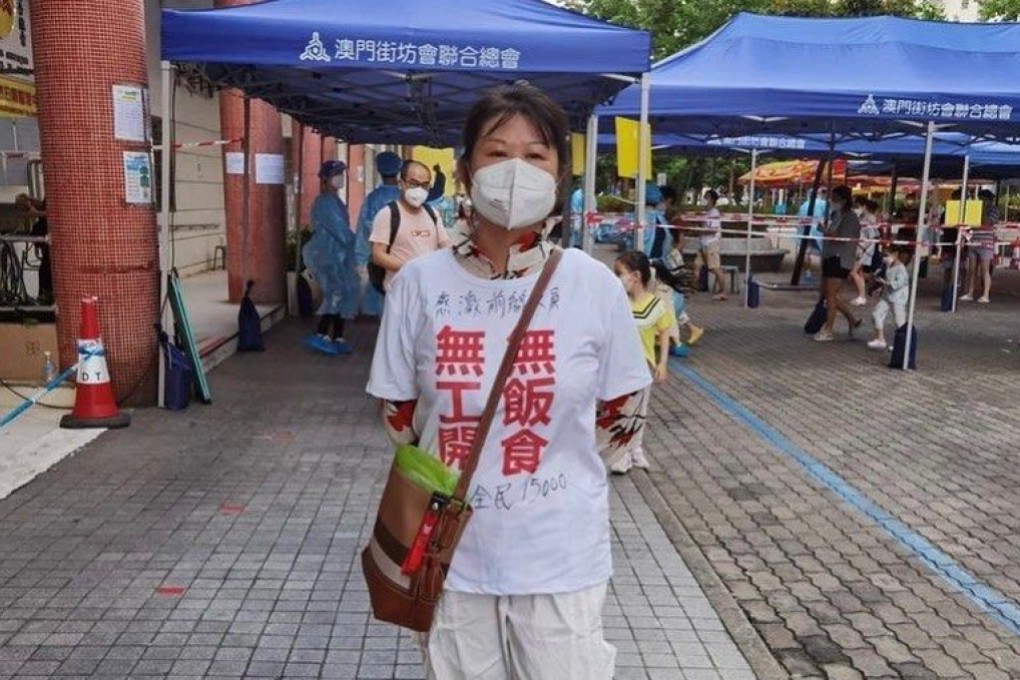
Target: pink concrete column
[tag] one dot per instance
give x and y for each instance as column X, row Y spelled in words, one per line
column 264, row 259
column 101, row 244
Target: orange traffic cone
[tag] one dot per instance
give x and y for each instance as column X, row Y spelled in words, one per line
column 94, row 405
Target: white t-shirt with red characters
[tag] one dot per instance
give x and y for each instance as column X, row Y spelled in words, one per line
column 540, row 494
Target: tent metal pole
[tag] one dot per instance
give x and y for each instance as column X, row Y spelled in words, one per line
column 164, row 208
column 961, row 215
column 590, row 165
column 916, row 263
column 246, row 191
column 802, row 247
column 750, row 221
column 299, row 191
column 644, row 155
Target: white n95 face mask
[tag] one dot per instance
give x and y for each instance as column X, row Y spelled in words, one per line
column 513, row 193
column 416, row 196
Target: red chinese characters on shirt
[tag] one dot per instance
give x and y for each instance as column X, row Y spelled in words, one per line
column 527, row 399
column 459, row 354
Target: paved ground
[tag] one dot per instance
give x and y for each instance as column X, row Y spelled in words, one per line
column 222, row 542
column 828, row 492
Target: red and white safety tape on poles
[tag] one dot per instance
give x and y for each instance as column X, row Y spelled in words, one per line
column 199, row 145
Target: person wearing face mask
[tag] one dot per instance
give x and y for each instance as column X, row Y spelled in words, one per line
column 407, row 228
column 388, row 165
column 330, row 256
column 895, row 295
column 524, row 594
column 838, row 258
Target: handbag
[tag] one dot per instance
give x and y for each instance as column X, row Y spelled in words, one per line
column 417, row 529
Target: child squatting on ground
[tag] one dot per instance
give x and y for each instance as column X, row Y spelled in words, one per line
column 895, row 295
column 654, row 319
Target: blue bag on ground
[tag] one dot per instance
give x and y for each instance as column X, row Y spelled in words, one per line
column 178, row 372
column 753, row 294
column 249, row 325
column 946, row 304
column 816, row 320
column 899, row 344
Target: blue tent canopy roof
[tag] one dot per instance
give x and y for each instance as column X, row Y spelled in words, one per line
column 784, row 74
column 402, row 71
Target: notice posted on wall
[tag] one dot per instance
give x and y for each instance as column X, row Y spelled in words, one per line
column 269, row 168
column 235, row 162
column 137, row 178
column 129, row 113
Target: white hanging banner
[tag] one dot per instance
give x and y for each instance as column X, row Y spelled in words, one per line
column 137, row 178
column 235, row 162
column 269, row 168
column 129, row 113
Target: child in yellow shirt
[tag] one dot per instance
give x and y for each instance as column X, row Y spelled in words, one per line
column 654, row 320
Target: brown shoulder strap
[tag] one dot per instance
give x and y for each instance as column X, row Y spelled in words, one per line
column 505, row 368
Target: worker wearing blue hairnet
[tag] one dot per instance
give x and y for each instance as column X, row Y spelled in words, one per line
column 388, row 165
column 330, row 256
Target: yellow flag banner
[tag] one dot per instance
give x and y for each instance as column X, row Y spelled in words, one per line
column 627, row 148
column 971, row 218
column 444, row 158
column 17, row 98
column 577, row 151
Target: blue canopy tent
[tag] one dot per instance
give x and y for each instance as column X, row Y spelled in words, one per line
column 873, row 75
column 403, row 72
column 988, row 160
column 398, row 71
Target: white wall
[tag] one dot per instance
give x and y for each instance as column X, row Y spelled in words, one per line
column 199, row 223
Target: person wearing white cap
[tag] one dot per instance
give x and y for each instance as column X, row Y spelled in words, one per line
column 330, row 257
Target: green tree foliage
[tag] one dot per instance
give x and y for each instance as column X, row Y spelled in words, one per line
column 675, row 24
column 1000, row 10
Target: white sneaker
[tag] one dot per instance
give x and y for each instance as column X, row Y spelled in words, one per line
column 984, row 300
column 638, row 457
column 876, row 344
column 622, row 466
column 823, row 336
column 859, row 301
column 967, row 297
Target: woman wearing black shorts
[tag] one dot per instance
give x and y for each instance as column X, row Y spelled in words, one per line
column 838, row 258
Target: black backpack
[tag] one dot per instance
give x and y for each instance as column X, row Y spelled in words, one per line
column 376, row 274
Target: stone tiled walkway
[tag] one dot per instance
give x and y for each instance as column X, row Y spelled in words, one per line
column 831, row 590
column 222, row 542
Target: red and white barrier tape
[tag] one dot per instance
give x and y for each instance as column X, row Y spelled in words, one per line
column 199, row 145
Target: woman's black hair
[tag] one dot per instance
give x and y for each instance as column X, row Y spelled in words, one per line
column 872, row 206
column 712, row 194
column 636, row 261
column 843, row 194
column 667, row 192
column 662, row 273
column 501, row 104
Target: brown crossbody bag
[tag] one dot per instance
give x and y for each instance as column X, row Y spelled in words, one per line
column 416, row 531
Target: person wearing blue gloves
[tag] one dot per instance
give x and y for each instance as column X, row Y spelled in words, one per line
column 388, row 165
column 330, row 256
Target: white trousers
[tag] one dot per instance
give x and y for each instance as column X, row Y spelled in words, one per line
column 882, row 311
column 519, row 637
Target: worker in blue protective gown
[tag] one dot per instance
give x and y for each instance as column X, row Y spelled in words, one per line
column 330, row 256
column 388, row 165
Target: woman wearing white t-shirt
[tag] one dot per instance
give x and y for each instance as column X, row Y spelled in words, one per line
column 524, row 594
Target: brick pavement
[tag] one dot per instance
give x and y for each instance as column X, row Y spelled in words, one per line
column 831, row 593
column 222, row 542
